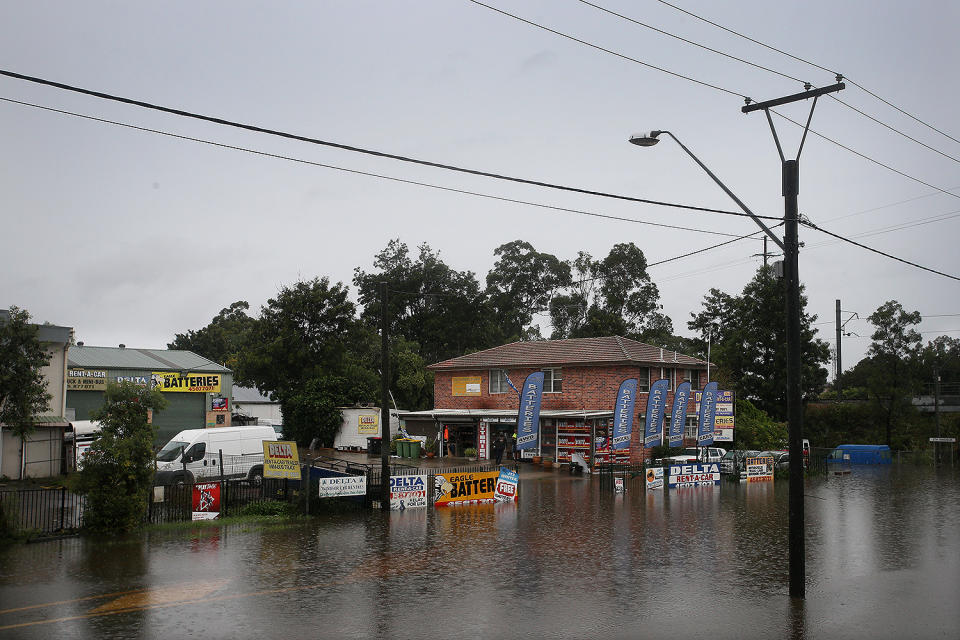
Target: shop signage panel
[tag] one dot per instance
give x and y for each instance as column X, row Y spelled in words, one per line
column 722, row 396
column 508, row 484
column 460, row 488
column 760, row 469
column 220, row 404
column 280, row 459
column 342, row 485
column 483, row 436
column 694, row 475
column 172, row 381
column 86, row 380
column 206, row 501
column 466, row 386
column 723, row 435
column 655, row 478
column 368, row 423
column 724, row 408
column 408, row 492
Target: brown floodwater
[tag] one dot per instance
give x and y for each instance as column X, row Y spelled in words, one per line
column 569, row 560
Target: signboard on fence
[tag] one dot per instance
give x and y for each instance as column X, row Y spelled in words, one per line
column 471, row 488
column 760, row 469
column 655, row 478
column 206, row 501
column 342, row 485
column 280, row 459
column 408, row 492
column 694, row 475
column 508, row 483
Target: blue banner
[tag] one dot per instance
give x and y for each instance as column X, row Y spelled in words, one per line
column 678, row 418
column 656, row 402
column 623, row 413
column 708, row 415
column 528, row 417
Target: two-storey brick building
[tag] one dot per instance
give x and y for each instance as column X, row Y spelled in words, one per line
column 474, row 400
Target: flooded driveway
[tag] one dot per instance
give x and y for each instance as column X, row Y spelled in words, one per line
column 570, row 560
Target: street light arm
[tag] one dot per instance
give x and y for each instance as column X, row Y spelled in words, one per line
column 739, row 202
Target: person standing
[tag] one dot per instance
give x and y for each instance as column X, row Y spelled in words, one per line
column 498, row 446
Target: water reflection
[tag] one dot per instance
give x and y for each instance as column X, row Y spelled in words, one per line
column 571, row 559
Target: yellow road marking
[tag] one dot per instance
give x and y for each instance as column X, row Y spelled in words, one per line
column 161, row 595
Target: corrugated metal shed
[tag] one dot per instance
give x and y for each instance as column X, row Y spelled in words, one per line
column 147, row 359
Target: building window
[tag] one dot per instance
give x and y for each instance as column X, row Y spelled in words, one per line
column 552, row 380
column 498, row 381
column 690, row 428
column 667, row 374
column 643, row 380
column 693, row 377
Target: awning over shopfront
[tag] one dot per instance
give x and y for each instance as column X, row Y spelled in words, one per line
column 498, row 415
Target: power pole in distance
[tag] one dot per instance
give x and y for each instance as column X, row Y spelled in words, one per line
column 384, row 401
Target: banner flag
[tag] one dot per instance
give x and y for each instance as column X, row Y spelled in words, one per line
column 708, row 415
column 678, row 417
column 528, row 417
column 623, row 413
column 656, row 401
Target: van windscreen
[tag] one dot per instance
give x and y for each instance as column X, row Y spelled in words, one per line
column 171, row 450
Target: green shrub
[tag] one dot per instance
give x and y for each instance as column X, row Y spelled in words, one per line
column 269, row 508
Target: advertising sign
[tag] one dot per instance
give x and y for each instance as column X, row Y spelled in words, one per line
column 618, row 486
column 656, row 402
column 462, row 488
column 528, row 417
column 723, row 397
column 172, row 381
column 694, row 475
column 342, row 485
column 655, row 478
column 724, row 408
column 623, row 414
column 466, row 386
column 280, row 459
column 217, row 419
column 408, row 492
column 368, row 423
column 678, row 417
column 219, row 404
column 508, row 484
column 86, row 380
column 760, row 469
column 206, row 501
column 708, row 414
column 483, row 431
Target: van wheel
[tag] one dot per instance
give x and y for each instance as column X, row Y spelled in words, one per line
column 182, row 479
column 256, row 476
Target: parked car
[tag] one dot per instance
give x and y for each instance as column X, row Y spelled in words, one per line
column 692, row 455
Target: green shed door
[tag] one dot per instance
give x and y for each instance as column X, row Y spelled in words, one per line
column 184, row 411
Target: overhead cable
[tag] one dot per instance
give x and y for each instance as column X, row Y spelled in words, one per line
column 371, row 152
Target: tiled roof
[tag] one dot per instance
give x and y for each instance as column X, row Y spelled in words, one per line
column 127, row 358
column 541, row 353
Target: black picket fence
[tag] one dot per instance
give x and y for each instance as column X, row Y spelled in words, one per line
column 40, row 512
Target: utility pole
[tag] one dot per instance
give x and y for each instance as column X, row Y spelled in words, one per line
column 384, row 400
column 791, row 217
column 836, row 380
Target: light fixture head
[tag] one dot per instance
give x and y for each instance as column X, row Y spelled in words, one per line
column 645, row 138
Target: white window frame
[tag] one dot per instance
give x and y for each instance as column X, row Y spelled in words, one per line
column 555, row 376
column 643, row 386
column 500, row 376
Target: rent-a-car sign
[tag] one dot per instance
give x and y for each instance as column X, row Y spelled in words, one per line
column 694, row 475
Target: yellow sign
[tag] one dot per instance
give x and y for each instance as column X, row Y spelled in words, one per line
column 368, row 423
column 169, row 381
column 760, row 469
column 86, row 380
column 465, row 487
column 466, row 386
column 280, row 459
column 723, row 421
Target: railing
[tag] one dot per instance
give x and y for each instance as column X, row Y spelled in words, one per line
column 174, row 503
column 40, row 512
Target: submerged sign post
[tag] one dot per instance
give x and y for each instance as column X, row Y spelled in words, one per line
column 408, row 492
column 694, row 475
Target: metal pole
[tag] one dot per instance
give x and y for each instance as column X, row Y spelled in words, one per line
column 384, row 401
column 794, row 402
column 836, row 381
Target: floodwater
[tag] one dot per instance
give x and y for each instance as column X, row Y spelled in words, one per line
column 569, row 560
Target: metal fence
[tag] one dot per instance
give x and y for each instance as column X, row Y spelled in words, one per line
column 46, row 512
column 174, row 503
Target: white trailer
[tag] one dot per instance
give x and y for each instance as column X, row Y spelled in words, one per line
column 360, row 423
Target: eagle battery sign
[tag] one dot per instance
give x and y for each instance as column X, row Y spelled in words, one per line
column 168, row 381
column 280, row 459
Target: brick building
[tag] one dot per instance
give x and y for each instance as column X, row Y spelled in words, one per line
column 473, row 399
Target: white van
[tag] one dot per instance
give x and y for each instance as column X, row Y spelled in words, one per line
column 195, row 454
column 77, row 441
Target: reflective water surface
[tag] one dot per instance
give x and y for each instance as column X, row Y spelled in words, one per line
column 570, row 560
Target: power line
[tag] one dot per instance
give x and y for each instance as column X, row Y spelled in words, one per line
column 610, row 51
column 811, row 225
column 371, row 152
column 812, row 64
column 367, row 173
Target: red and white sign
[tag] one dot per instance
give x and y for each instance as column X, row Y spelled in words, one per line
column 482, row 435
column 206, row 501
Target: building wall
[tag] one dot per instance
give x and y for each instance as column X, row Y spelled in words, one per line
column 44, row 448
column 55, row 375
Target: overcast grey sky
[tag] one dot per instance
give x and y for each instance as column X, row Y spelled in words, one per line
column 131, row 237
